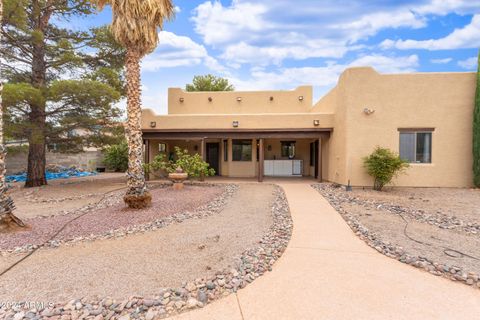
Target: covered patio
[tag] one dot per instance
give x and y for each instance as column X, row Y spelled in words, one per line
column 248, row 153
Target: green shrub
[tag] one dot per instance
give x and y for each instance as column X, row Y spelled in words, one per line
column 193, row 165
column 383, row 165
column 116, row 157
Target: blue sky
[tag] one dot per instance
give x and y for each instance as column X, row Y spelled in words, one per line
column 281, row 44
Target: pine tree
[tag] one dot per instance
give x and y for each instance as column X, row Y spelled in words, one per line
column 59, row 80
column 7, row 218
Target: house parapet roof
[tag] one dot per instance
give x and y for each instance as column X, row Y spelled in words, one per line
column 239, row 102
column 242, row 121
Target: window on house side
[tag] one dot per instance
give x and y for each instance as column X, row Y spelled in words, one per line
column 416, row 147
column 162, row 147
column 242, row 150
column 288, row 149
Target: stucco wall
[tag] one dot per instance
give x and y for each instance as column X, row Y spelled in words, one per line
column 443, row 101
column 251, row 101
column 88, row 160
column 246, row 121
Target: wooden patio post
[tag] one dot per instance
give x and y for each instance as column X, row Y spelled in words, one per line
column 202, row 149
column 319, row 156
column 147, row 157
column 261, row 158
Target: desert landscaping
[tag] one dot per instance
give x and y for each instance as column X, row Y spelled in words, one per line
column 229, row 234
column 435, row 229
column 239, row 160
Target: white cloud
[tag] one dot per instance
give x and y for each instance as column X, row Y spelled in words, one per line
column 386, row 64
column 218, row 24
column 244, row 53
column 272, row 31
column 323, row 78
column 466, row 37
column 441, row 61
column 177, row 9
column 443, row 7
column 288, row 78
column 469, row 64
column 370, row 24
column 179, row 51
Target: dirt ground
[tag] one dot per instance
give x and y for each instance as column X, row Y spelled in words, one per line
column 461, row 203
column 143, row 263
column 115, row 216
column 63, row 194
column 390, row 227
column 420, row 238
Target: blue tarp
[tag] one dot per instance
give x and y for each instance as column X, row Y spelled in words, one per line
column 64, row 174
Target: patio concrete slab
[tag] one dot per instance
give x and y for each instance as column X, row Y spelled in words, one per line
column 328, row 273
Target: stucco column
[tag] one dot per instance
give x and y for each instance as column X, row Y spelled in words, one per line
column 261, row 158
column 319, row 156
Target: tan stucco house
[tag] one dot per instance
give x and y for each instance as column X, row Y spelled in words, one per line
column 426, row 117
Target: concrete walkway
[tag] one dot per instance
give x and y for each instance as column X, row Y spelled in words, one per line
column 328, row 273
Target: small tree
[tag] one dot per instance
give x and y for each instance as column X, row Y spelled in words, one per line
column 383, row 165
column 116, row 157
column 193, row 165
column 209, row 83
column 476, row 132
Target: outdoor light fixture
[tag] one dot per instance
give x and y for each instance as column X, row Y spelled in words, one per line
column 300, row 98
column 239, row 99
column 271, row 98
column 368, row 111
column 153, row 124
column 210, row 99
column 235, row 124
column 316, row 123
column 181, row 99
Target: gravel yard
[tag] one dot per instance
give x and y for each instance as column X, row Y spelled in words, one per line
column 61, row 196
column 434, row 229
column 220, row 252
column 463, row 204
column 98, row 221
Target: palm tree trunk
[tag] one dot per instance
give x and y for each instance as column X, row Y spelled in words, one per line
column 137, row 195
column 7, row 218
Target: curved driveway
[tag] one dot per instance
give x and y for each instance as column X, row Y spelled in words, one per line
column 328, row 273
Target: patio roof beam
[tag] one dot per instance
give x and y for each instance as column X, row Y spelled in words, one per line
column 182, row 135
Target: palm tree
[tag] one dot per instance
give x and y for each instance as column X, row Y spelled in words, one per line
column 7, row 218
column 134, row 25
